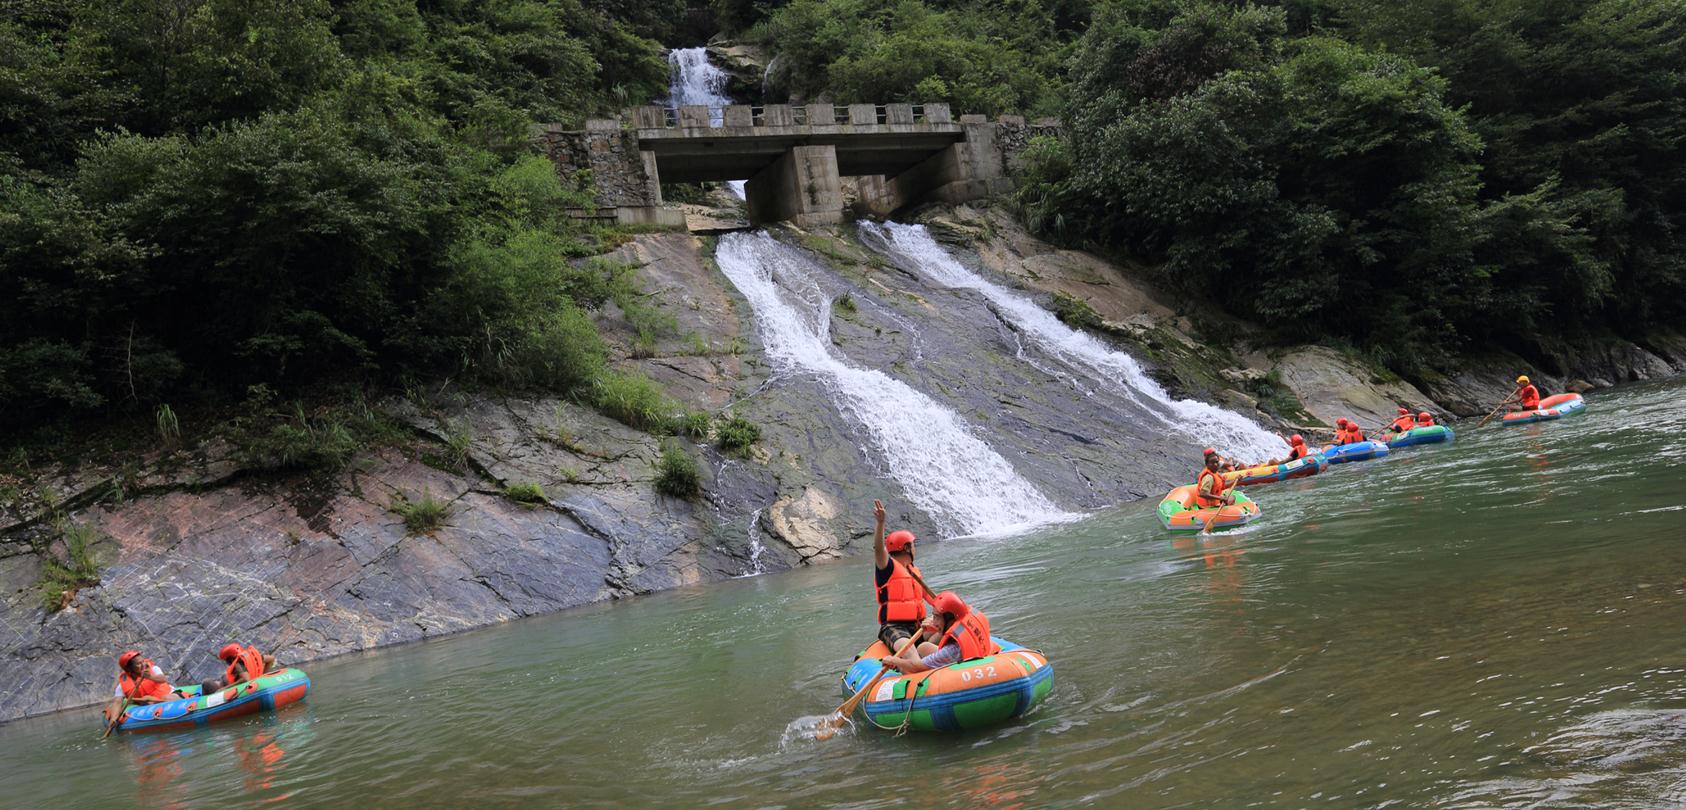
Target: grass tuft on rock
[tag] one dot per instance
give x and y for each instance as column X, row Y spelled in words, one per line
column 62, row 578
column 528, row 493
column 1075, row 312
column 421, row 517
column 677, row 473
column 737, row 435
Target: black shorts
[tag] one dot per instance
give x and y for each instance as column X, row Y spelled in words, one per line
column 893, row 633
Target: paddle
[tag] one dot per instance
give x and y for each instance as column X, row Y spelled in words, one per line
column 118, row 716
column 836, row 719
column 1489, row 417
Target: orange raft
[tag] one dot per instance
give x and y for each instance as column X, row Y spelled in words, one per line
column 972, row 694
column 1179, row 514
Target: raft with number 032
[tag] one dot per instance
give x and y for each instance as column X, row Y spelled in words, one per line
column 1179, row 514
column 1355, row 451
column 1427, row 434
column 969, row 695
column 1553, row 407
column 1271, row 473
column 265, row 694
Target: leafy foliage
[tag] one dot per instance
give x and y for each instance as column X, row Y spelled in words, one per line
column 737, row 435
column 421, row 517
column 677, row 473
column 200, row 196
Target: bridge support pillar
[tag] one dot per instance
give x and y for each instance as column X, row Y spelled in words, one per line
column 802, row 186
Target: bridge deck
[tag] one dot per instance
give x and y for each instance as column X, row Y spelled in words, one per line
column 692, row 155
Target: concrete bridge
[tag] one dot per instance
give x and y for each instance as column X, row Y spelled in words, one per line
column 793, row 157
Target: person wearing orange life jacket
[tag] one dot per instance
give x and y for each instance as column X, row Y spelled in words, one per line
column 1424, row 419
column 1526, row 397
column 1403, row 423
column 962, row 633
column 897, row 582
column 1354, row 433
column 1210, row 488
column 245, row 663
column 1296, row 447
column 140, row 681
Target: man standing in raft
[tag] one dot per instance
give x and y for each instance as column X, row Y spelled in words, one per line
column 963, row 633
column 1210, row 489
column 897, row 582
column 1526, row 397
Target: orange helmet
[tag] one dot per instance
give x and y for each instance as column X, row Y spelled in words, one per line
column 127, row 656
column 899, row 540
column 229, row 652
column 953, row 605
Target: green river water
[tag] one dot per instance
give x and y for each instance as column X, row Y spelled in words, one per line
column 1495, row 622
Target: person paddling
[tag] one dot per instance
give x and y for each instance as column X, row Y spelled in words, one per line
column 1210, row 488
column 140, row 681
column 1525, row 398
column 962, row 633
column 1296, row 447
column 1403, row 422
column 897, row 582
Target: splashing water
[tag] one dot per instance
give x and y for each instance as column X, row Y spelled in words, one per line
column 755, row 548
column 946, row 471
column 917, row 252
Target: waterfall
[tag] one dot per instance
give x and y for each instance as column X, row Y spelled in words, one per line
column 1118, row 372
column 946, row 471
column 692, row 79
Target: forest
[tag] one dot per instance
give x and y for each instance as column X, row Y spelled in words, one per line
column 1415, row 179
column 220, row 201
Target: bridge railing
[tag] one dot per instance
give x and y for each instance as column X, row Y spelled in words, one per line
column 790, row 115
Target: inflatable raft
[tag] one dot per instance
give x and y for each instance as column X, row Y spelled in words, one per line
column 1179, row 514
column 969, row 695
column 1271, row 473
column 1553, row 407
column 1431, row 434
column 1356, row 451
column 268, row 693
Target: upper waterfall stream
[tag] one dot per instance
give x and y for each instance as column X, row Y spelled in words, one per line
column 946, row 471
column 913, row 249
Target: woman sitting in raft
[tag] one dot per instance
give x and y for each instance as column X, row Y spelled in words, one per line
column 140, row 681
column 244, row 664
column 963, row 633
column 1210, row 489
column 1296, row 451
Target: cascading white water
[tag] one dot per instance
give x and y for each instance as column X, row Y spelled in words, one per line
column 1233, row 433
column 692, row 79
column 946, row 471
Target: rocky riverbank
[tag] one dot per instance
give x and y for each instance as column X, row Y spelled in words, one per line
column 193, row 547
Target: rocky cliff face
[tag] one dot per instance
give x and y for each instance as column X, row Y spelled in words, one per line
column 196, row 551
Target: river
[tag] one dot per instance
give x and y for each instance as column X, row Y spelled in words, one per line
column 1491, row 623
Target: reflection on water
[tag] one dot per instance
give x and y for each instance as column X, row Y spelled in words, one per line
column 1494, row 622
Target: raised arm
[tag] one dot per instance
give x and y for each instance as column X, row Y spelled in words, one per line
column 880, row 554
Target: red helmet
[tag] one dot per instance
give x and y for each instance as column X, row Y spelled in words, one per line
column 229, row 652
column 1208, row 452
column 1424, row 415
column 1404, row 412
column 1296, row 439
column 953, row 605
column 1341, row 421
column 127, row 656
column 899, row 540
